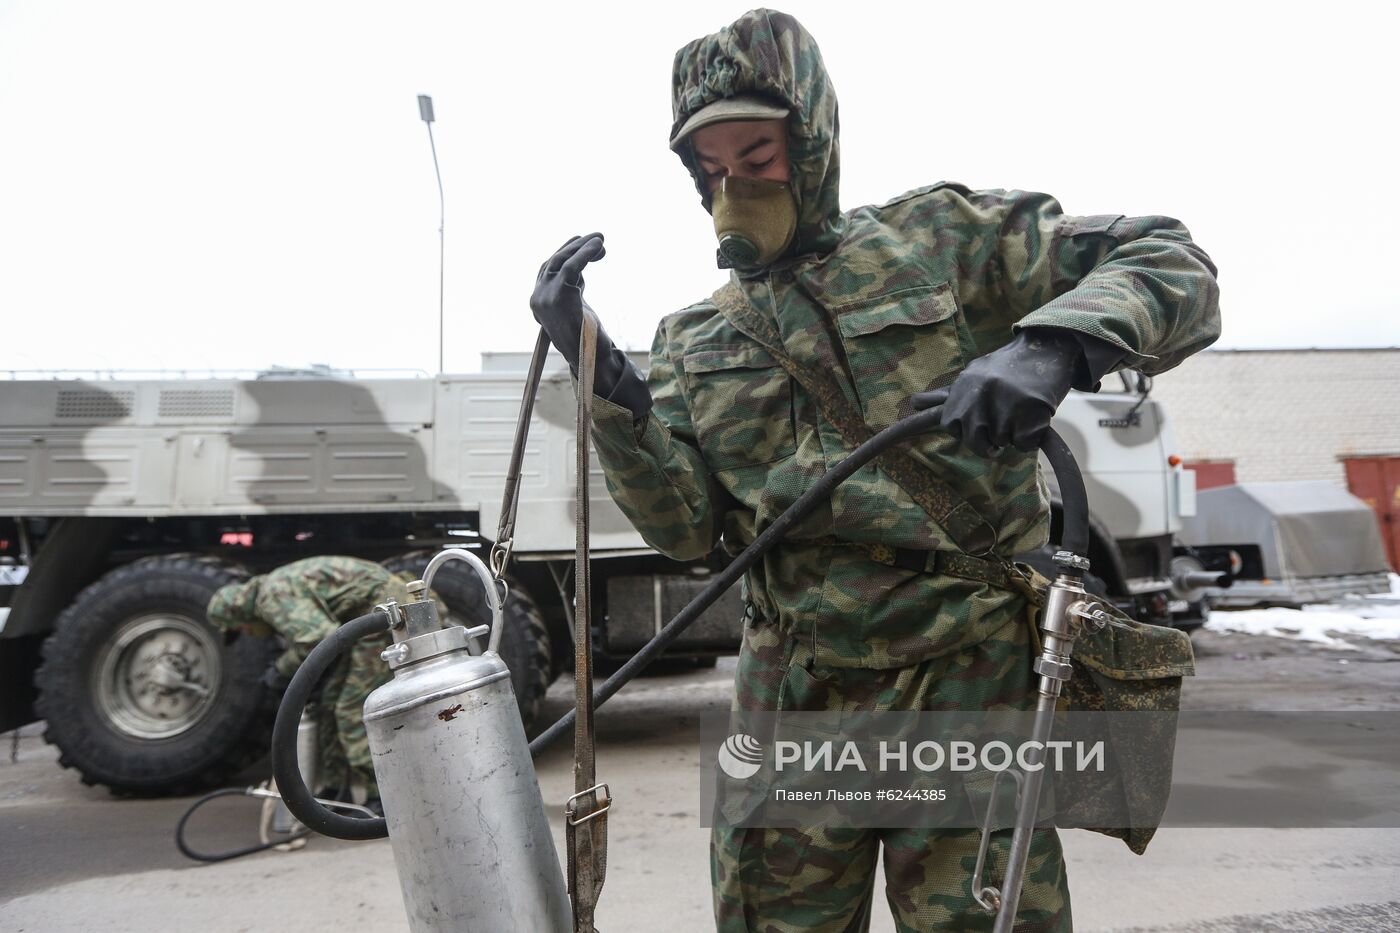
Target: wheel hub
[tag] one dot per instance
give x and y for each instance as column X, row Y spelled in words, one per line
column 157, row 676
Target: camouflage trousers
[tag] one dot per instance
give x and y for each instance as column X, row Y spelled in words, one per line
column 340, row 708
column 340, row 725
column 788, row 880
column 340, row 716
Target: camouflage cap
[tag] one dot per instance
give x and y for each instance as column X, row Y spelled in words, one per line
column 743, row 107
column 233, row 605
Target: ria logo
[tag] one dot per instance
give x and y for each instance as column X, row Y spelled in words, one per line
column 740, row 756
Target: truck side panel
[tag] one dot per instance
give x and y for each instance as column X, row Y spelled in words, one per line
column 219, row 447
column 484, row 410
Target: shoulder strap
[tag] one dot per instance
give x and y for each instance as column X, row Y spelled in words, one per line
column 968, row 529
column 586, row 812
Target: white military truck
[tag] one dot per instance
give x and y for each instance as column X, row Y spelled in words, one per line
column 124, row 504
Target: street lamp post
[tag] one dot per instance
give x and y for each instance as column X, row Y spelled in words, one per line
column 425, row 110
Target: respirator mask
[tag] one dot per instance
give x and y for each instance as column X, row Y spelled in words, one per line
column 755, row 220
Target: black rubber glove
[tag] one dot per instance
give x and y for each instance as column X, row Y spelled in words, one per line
column 557, row 304
column 1010, row 395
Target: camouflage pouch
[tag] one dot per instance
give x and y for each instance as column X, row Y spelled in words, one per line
column 1133, row 669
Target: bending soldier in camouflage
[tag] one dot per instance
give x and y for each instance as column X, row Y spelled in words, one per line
column 996, row 296
column 304, row 602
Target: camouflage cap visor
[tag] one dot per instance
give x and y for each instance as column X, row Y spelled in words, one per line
column 742, row 107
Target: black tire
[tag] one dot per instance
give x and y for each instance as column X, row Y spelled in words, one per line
column 524, row 642
column 116, row 726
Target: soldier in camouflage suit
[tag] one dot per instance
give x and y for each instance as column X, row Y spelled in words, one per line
column 304, row 602
column 865, row 605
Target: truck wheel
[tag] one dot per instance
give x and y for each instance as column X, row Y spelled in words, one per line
column 525, row 640
column 139, row 691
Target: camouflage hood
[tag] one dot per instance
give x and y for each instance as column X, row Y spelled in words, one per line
column 234, row 605
column 769, row 53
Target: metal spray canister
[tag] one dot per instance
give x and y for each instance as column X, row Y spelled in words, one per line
column 465, row 815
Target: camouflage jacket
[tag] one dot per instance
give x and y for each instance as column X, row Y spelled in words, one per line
column 306, row 600
column 893, row 300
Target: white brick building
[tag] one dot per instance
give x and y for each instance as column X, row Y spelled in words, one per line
column 1285, row 414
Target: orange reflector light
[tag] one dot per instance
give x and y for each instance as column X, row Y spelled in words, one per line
column 1174, row 460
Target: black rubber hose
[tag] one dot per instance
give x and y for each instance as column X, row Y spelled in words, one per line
column 1074, row 536
column 235, row 853
column 295, row 794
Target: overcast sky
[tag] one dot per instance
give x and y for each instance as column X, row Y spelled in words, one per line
column 232, row 185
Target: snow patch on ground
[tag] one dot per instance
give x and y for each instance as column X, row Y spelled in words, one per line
column 1371, row 617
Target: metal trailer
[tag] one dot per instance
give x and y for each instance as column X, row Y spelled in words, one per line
column 1288, row 543
column 125, row 503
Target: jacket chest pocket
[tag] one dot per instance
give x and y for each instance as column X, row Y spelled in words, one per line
column 898, row 344
column 741, row 406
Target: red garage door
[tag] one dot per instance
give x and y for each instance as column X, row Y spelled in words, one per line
column 1212, row 473
column 1377, row 480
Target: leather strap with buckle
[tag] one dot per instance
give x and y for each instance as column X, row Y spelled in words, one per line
column 586, row 813
column 948, row 563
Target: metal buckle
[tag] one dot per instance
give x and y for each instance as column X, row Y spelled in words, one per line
column 604, row 808
column 500, row 556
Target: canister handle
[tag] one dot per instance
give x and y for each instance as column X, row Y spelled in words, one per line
column 495, row 599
